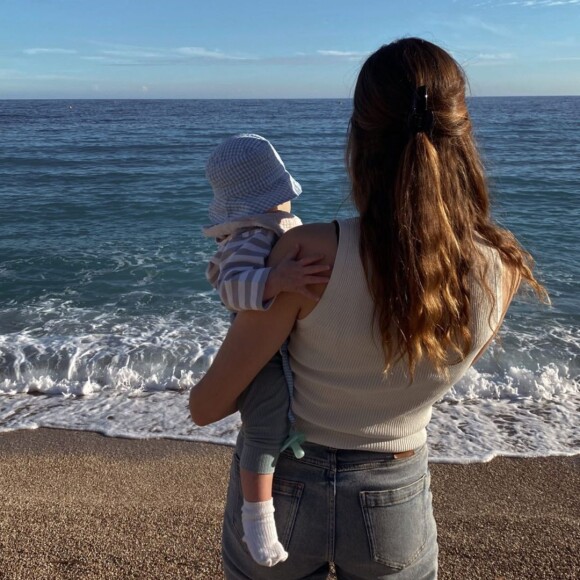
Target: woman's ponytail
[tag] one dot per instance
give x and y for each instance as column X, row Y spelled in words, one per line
column 420, row 188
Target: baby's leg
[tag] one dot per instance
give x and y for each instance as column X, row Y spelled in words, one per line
column 264, row 410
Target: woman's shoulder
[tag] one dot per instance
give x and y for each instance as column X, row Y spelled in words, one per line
column 319, row 232
column 307, row 232
column 316, row 238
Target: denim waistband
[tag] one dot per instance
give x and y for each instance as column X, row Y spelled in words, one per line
column 352, row 459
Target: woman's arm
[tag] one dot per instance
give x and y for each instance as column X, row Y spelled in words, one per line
column 251, row 342
column 510, row 284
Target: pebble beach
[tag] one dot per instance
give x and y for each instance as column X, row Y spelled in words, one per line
column 80, row 505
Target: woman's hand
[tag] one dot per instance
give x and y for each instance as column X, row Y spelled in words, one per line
column 295, row 274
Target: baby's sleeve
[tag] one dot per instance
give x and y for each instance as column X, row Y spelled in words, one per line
column 242, row 274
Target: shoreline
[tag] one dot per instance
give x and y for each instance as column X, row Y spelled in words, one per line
column 79, row 504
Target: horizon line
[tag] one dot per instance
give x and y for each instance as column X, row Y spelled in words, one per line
column 254, row 98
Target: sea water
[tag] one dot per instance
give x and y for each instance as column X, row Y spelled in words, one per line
column 106, row 319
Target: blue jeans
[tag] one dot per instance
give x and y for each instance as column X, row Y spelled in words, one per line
column 367, row 512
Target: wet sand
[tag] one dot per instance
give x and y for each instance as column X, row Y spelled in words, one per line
column 79, row 505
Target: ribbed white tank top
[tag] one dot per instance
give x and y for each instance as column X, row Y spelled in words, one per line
column 342, row 399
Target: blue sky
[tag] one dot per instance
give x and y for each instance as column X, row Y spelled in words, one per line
column 266, row 48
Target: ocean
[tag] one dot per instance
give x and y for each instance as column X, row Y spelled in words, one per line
column 106, row 319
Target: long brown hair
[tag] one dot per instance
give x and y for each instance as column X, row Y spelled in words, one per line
column 423, row 199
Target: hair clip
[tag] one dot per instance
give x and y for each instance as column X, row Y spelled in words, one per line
column 422, row 119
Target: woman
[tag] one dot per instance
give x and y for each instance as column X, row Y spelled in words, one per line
column 421, row 281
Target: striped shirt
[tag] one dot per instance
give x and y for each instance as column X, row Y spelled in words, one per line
column 238, row 269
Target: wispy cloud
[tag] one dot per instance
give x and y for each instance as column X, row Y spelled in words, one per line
column 528, row 3
column 200, row 52
column 342, row 53
column 16, row 75
column 9, row 74
column 474, row 23
column 496, row 57
column 478, row 23
column 132, row 53
column 128, row 55
column 123, row 55
column 489, row 59
column 542, row 3
column 34, row 51
column 569, row 42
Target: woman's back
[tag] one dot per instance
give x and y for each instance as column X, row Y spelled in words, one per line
column 420, row 283
column 342, row 397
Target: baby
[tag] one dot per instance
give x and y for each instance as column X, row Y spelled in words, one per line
column 249, row 212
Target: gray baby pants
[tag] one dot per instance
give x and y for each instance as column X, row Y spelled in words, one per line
column 265, row 424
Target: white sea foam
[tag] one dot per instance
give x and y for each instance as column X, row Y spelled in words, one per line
column 520, row 413
column 130, row 377
column 466, row 427
column 513, row 384
column 152, row 353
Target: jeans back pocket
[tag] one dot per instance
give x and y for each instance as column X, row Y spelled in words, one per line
column 396, row 522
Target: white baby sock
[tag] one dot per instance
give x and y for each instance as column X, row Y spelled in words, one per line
column 260, row 533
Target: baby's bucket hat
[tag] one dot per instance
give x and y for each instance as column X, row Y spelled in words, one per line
column 248, row 177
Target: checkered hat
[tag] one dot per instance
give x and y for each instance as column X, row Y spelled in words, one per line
column 248, row 178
